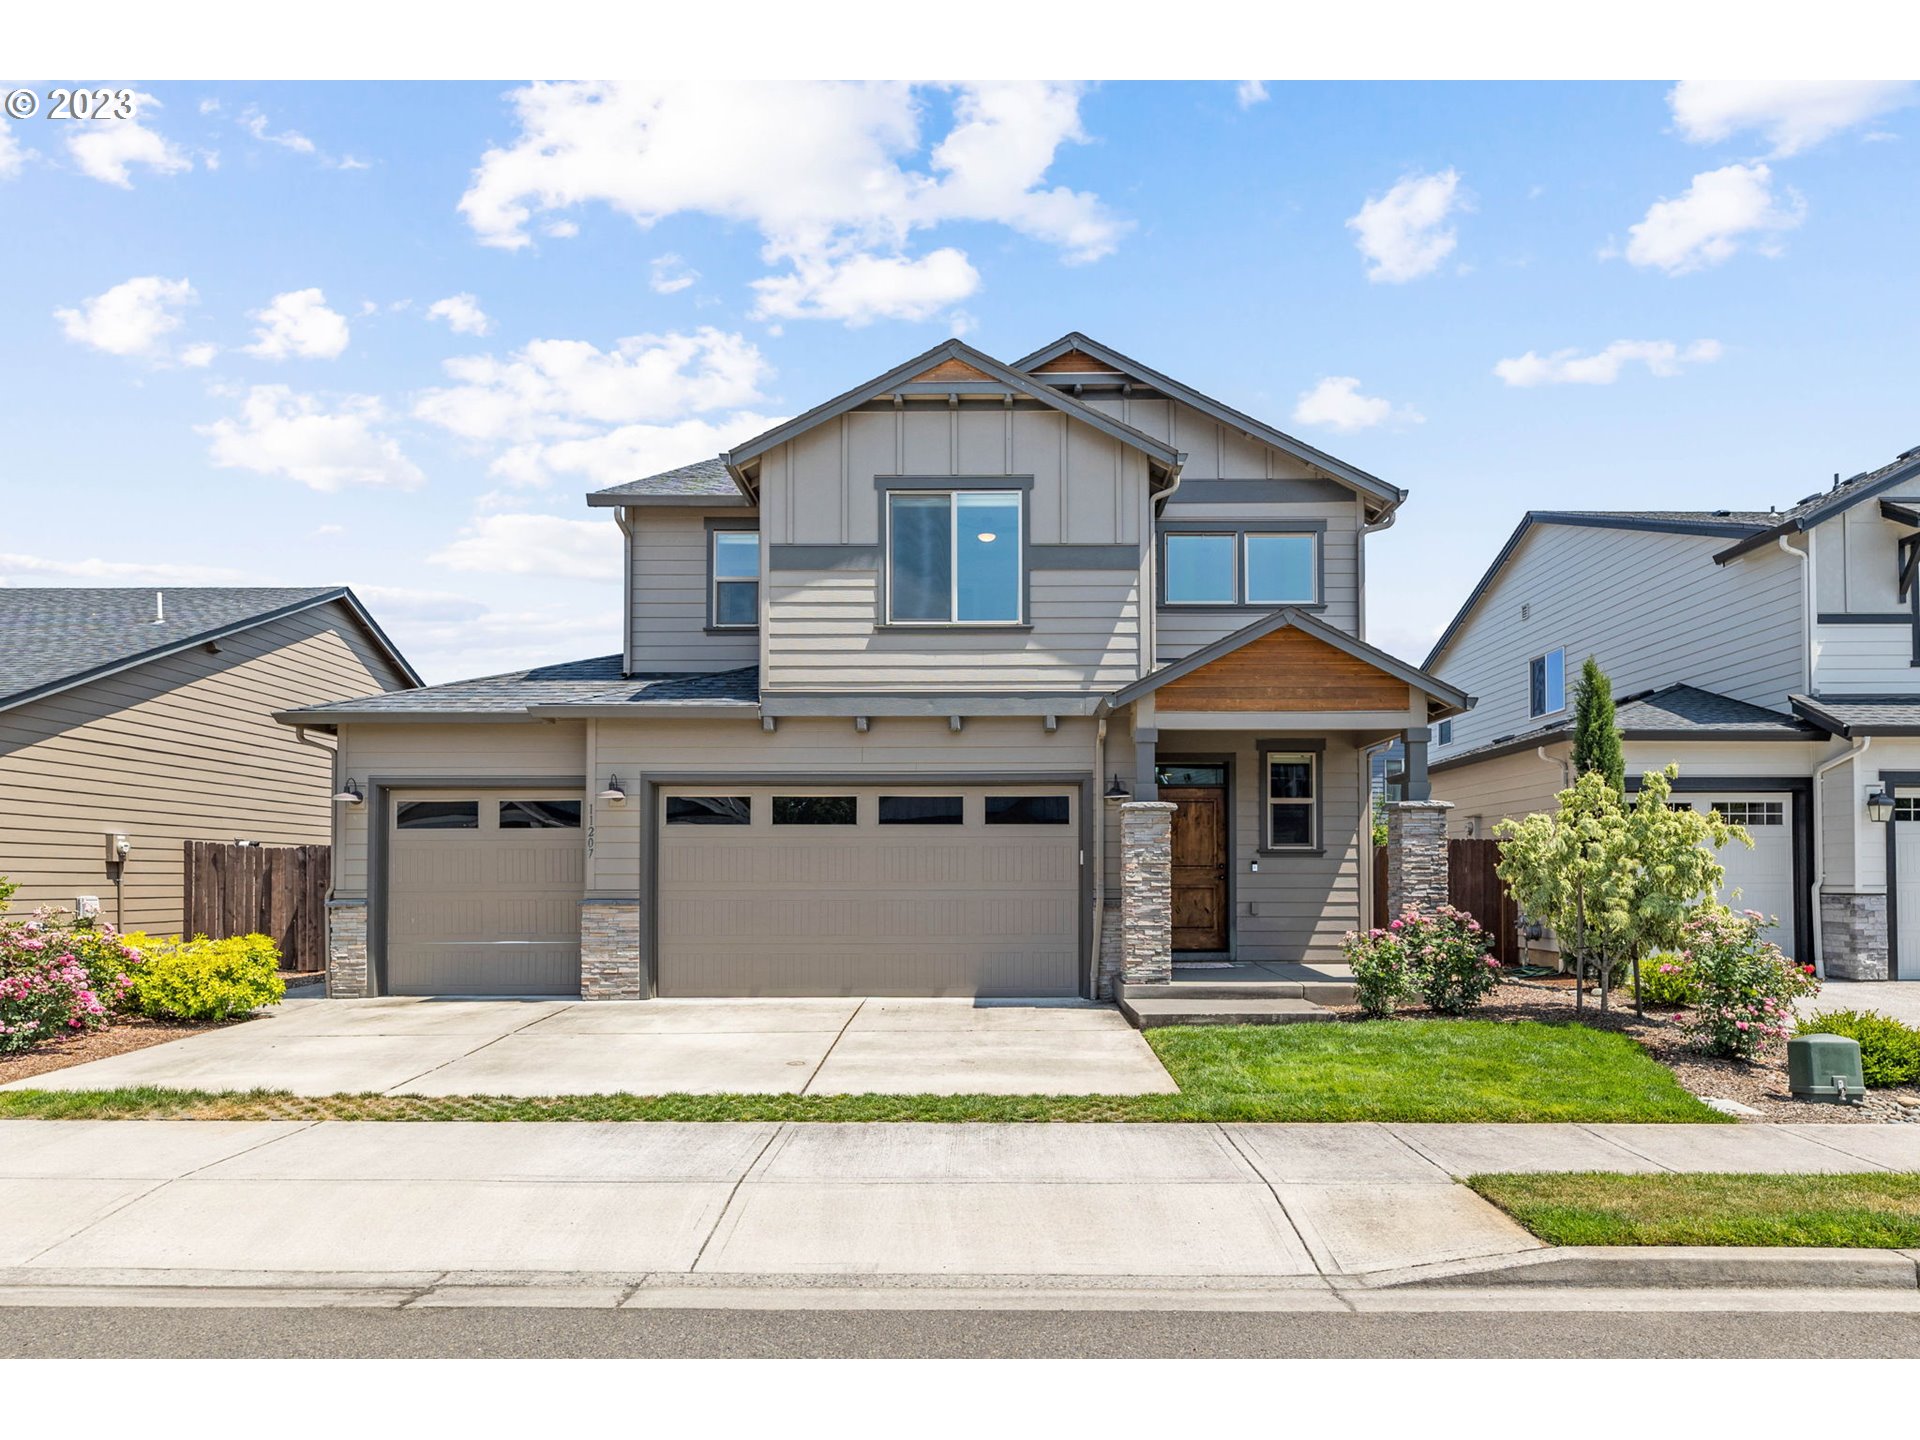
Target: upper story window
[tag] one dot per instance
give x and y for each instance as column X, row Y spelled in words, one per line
column 953, row 557
column 1443, row 733
column 1547, row 683
column 733, row 569
column 1239, row 566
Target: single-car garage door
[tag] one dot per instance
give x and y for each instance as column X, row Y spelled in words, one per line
column 483, row 893
column 1762, row 876
column 869, row 890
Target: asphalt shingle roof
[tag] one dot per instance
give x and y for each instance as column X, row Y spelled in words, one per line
column 578, row 682
column 52, row 636
column 1671, row 713
column 1863, row 714
column 701, row 478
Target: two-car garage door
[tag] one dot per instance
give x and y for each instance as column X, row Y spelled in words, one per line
column 868, row 890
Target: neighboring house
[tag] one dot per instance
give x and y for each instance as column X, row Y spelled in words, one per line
column 1773, row 655
column 880, row 669
column 148, row 714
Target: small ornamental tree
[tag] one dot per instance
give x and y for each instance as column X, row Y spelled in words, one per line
column 1617, row 882
column 1596, row 733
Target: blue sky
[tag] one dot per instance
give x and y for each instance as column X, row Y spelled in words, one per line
column 1499, row 296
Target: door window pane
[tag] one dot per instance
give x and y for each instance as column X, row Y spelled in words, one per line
column 1028, row 810
column 1178, row 775
column 438, row 815
column 988, row 551
column 1199, row 569
column 920, row 810
column 1280, row 570
column 539, row 814
column 920, row 556
column 709, row 810
column 814, row 810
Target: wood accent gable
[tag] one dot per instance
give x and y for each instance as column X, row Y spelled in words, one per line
column 1072, row 362
column 1286, row 670
column 950, row 370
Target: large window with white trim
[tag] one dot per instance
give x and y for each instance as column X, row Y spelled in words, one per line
column 734, row 568
column 953, row 557
column 1292, row 822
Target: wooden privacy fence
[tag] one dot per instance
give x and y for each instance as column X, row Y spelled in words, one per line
column 277, row 890
column 1472, row 886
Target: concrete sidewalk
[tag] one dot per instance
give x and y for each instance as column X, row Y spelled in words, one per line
column 202, row 1202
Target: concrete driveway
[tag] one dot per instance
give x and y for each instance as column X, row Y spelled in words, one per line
column 566, row 1047
column 1897, row 998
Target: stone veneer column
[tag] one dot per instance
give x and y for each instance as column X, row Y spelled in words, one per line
column 1416, row 856
column 1146, row 892
column 1853, row 937
column 347, row 976
column 610, row 951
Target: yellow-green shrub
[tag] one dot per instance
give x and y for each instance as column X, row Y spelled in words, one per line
column 202, row 979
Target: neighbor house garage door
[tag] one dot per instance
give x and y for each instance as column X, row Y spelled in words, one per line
column 483, row 893
column 869, row 890
column 1762, row 876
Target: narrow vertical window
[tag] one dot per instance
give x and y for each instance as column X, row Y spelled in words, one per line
column 1547, row 683
column 734, row 562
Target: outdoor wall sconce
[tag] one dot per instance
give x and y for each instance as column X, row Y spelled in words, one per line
column 1880, row 806
column 1117, row 791
column 349, row 793
column 615, row 793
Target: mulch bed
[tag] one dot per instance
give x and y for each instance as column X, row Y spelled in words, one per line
column 1761, row 1083
column 117, row 1039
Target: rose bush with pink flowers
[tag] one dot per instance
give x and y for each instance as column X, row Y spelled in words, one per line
column 1438, row 956
column 57, row 981
column 1743, row 986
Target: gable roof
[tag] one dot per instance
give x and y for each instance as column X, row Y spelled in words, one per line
column 995, row 373
column 702, row 482
column 54, row 638
column 1709, row 523
column 574, row 687
column 1828, row 503
column 1450, row 697
column 1389, row 495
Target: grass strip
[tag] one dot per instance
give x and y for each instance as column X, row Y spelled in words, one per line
column 1874, row 1211
column 1410, row 1070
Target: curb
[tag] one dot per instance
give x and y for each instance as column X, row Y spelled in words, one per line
column 1664, row 1267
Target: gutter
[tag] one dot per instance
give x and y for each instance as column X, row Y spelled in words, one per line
column 1860, row 747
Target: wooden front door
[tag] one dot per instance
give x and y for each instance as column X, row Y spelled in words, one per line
column 1199, row 867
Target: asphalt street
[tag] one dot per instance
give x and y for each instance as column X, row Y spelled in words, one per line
column 493, row 1333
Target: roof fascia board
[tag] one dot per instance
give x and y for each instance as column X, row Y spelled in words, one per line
column 603, row 500
column 894, row 704
column 1392, row 495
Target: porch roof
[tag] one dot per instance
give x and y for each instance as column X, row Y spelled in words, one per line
column 1239, row 685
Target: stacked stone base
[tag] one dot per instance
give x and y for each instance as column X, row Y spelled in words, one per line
column 1113, row 951
column 610, row 966
column 1416, row 856
column 347, row 974
column 1146, row 892
column 1853, row 936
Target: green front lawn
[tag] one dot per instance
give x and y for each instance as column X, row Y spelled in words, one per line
column 1881, row 1211
column 1433, row 1070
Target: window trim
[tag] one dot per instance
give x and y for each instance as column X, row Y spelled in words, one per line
column 1316, row 751
column 1316, row 530
column 1541, row 660
column 952, row 486
column 717, row 525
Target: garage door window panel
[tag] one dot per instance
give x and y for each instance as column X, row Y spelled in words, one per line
column 921, row 810
column 438, row 815
column 709, row 810
column 539, row 814
column 815, row 810
column 1751, row 813
column 1028, row 810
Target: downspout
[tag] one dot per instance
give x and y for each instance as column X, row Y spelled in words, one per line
column 1368, row 918
column 623, row 517
column 1860, row 747
column 1566, row 766
column 1099, row 851
column 1805, row 557
column 1385, row 522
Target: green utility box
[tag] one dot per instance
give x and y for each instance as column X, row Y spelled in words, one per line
column 1825, row 1067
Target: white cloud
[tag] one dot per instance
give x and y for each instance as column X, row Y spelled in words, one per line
column 118, row 572
column 671, row 274
column 1707, row 224
column 1404, row 233
column 1337, row 402
column 565, row 388
column 279, row 432
column 255, row 124
column 560, row 229
column 132, row 319
column 328, row 532
column 1603, row 367
column 108, row 149
column 298, row 322
column 200, row 355
column 522, row 544
column 462, row 313
column 628, row 451
column 13, row 155
column 1250, row 93
column 864, row 288
column 825, row 172
column 1793, row 115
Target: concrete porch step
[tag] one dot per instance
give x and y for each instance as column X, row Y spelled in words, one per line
column 1146, row 1013
column 1320, row 992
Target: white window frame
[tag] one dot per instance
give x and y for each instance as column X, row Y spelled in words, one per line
column 953, row 557
column 715, row 581
column 1311, row 802
column 1541, row 660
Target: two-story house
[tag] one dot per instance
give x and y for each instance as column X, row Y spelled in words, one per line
column 899, row 679
column 1774, row 656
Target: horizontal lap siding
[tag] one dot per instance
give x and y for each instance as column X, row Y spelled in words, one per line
column 1864, row 659
column 1506, row 787
column 668, row 558
column 1654, row 610
column 181, row 748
